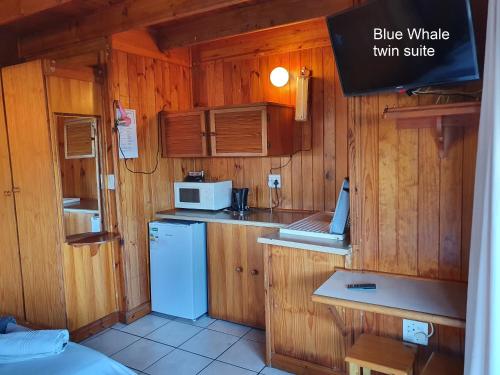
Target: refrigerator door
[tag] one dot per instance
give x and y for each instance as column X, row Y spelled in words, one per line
column 178, row 268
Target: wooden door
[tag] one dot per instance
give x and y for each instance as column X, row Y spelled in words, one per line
column 11, row 288
column 183, row 134
column 240, row 131
column 38, row 200
column 90, row 287
column 236, row 273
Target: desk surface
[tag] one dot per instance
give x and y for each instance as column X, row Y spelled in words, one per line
column 435, row 301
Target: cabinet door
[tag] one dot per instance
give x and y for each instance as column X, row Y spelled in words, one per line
column 239, row 131
column 38, row 198
column 236, row 273
column 226, row 270
column 255, row 314
column 11, row 288
column 183, row 134
column 90, row 289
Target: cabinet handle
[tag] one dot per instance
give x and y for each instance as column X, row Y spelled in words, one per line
column 239, row 269
column 7, row 193
column 254, row 272
column 15, row 189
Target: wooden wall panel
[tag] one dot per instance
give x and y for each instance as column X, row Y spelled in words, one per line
column 246, row 80
column 415, row 207
column 148, row 86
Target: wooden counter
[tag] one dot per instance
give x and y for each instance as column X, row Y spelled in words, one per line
column 257, row 217
column 307, row 243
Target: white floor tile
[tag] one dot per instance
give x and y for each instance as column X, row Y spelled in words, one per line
column 247, row 354
column 274, row 371
column 203, row 321
column 209, row 343
column 174, row 333
column 145, row 325
column 142, row 354
column 219, row 368
column 256, row 335
column 178, row 362
column 229, row 328
column 110, row 342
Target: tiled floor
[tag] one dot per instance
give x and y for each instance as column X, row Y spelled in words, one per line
column 160, row 345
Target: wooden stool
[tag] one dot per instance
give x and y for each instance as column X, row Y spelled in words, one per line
column 439, row 364
column 380, row 354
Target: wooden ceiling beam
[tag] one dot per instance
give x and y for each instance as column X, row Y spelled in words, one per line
column 119, row 17
column 13, row 10
column 252, row 17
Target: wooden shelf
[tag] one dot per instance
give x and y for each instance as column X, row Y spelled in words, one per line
column 439, row 116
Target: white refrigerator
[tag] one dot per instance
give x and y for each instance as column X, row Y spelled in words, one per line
column 178, row 263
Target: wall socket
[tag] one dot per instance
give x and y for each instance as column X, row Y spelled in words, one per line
column 415, row 332
column 272, row 178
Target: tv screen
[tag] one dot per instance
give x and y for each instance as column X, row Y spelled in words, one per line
column 400, row 45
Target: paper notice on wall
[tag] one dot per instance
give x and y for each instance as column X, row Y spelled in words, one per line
column 128, row 136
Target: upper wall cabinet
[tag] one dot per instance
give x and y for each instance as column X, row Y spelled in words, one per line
column 260, row 129
column 184, row 134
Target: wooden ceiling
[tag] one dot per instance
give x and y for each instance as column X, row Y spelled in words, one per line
column 47, row 25
column 35, row 28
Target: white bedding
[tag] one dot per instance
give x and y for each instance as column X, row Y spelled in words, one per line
column 75, row 360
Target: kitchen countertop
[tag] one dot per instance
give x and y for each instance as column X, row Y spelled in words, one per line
column 307, row 243
column 259, row 217
column 85, row 206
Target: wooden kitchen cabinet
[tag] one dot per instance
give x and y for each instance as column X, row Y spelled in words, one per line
column 236, row 273
column 261, row 129
column 184, row 134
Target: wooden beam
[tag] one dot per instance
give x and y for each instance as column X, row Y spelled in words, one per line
column 252, row 17
column 117, row 18
column 12, row 10
column 295, row 37
column 140, row 42
column 8, row 51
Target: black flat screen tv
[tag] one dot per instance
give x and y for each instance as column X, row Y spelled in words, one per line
column 401, row 45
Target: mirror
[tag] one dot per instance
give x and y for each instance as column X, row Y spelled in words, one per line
column 79, row 164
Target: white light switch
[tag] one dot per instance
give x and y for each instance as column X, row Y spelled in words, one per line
column 111, row 182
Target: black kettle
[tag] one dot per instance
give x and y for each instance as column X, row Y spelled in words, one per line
column 239, row 200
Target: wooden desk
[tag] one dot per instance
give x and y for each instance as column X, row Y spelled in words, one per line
column 434, row 301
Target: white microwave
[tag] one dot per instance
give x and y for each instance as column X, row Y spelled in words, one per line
column 203, row 195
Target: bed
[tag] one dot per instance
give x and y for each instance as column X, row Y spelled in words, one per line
column 75, row 360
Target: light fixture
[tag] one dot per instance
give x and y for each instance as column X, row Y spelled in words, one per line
column 302, row 95
column 279, row 76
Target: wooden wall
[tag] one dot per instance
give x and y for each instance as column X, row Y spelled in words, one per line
column 412, row 210
column 147, row 85
column 310, row 180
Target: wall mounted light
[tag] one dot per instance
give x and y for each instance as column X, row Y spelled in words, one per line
column 279, row 76
column 302, row 95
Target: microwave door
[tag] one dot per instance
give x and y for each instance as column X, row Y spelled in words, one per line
column 187, row 195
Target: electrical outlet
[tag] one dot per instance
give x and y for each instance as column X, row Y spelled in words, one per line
column 415, row 332
column 271, row 181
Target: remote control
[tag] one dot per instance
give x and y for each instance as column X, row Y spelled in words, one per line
column 361, row 286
